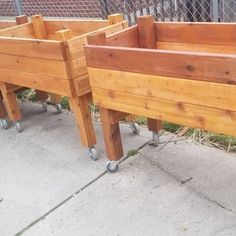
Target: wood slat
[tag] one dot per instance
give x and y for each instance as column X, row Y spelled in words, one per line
column 78, row 67
column 34, row 65
column 34, row 48
column 220, row 68
column 125, row 38
column 199, row 33
column 200, row 93
column 33, row 80
column 77, row 26
column 83, row 85
column 76, row 45
column 6, row 24
column 211, row 119
column 19, row 31
column 209, row 48
column 39, row 27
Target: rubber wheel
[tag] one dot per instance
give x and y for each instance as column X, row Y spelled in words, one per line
column 4, row 124
column 135, row 128
column 93, row 154
column 111, row 168
column 18, row 126
column 59, row 108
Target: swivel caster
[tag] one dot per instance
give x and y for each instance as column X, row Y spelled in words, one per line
column 45, row 106
column 4, row 124
column 156, row 138
column 59, row 108
column 93, row 153
column 112, row 166
column 135, row 128
column 18, row 126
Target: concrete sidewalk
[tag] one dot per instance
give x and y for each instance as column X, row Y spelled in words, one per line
column 49, row 186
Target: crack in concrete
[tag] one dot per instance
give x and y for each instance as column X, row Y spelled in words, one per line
column 99, row 177
column 176, row 178
column 74, row 194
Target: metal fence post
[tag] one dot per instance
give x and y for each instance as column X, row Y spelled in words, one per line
column 18, row 6
column 104, row 8
column 215, row 10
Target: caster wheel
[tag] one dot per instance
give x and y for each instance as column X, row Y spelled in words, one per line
column 112, row 167
column 93, row 153
column 18, row 126
column 45, row 106
column 59, row 108
column 156, row 138
column 4, row 124
column 135, row 128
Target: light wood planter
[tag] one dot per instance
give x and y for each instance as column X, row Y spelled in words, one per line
column 183, row 73
column 48, row 55
column 3, row 25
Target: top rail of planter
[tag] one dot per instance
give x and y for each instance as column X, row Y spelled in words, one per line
column 199, row 51
column 47, row 32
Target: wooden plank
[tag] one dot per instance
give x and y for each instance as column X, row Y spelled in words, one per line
column 34, row 65
column 207, row 48
column 12, row 88
column 154, row 125
column 78, row 67
column 199, row 33
column 33, row 80
column 220, row 68
column 146, row 32
column 147, row 39
column 11, row 105
column 111, row 134
column 6, row 24
column 39, row 27
column 76, row 45
column 23, row 19
column 19, row 31
column 80, row 106
column 78, row 27
column 216, row 120
column 44, row 49
column 200, row 93
column 83, row 85
column 115, row 18
column 2, row 108
column 97, row 38
column 63, row 35
column 125, row 38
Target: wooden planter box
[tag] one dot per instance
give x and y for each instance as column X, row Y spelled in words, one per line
column 48, row 55
column 3, row 25
column 183, row 73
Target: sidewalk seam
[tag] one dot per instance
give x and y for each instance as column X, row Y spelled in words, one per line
column 73, row 195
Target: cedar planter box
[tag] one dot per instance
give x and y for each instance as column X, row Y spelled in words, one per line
column 183, row 73
column 3, row 25
column 48, row 55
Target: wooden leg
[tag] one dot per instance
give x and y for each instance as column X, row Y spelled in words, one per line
column 12, row 106
column 131, row 118
column 41, row 96
column 55, row 99
column 154, row 125
column 80, row 107
column 2, row 108
column 112, row 137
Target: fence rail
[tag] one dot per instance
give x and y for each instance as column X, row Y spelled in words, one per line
column 164, row 10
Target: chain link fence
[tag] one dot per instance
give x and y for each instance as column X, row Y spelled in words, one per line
column 163, row 10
